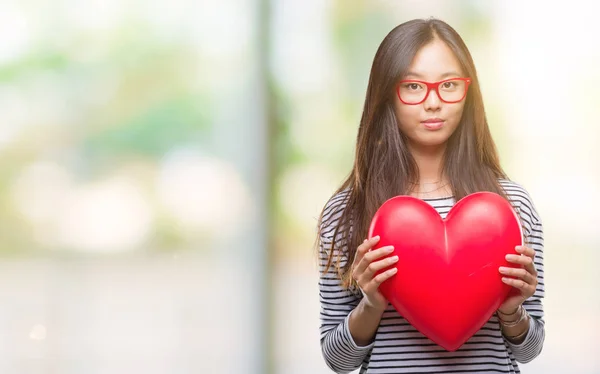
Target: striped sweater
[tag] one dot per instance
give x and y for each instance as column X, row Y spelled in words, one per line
column 398, row 347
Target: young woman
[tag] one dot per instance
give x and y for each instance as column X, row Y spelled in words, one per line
column 423, row 133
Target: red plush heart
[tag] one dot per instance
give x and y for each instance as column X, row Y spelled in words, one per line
column 448, row 284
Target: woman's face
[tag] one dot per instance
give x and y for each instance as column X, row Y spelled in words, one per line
column 432, row 122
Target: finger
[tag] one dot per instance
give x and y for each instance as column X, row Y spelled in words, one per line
column 375, row 266
column 520, row 273
column 525, row 261
column 371, row 256
column 529, row 252
column 360, row 252
column 520, row 260
column 516, row 283
column 374, row 284
column 525, row 288
column 364, row 247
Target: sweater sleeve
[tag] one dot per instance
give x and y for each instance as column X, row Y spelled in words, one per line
column 340, row 351
column 532, row 346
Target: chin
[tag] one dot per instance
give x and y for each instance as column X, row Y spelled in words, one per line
column 433, row 140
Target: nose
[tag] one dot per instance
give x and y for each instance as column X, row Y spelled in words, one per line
column 432, row 101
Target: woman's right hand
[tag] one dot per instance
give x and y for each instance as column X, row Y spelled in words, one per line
column 366, row 264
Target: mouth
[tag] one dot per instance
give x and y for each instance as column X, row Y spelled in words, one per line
column 433, row 123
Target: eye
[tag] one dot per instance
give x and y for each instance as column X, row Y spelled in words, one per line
column 449, row 84
column 413, row 86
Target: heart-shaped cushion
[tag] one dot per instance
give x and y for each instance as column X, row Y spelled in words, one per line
column 448, row 284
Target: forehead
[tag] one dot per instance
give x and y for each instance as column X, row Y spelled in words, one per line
column 434, row 61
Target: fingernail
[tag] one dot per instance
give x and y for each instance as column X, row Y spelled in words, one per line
column 394, row 258
column 504, row 279
column 389, row 248
column 376, row 237
column 503, row 269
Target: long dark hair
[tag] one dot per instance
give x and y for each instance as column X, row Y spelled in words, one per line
column 383, row 166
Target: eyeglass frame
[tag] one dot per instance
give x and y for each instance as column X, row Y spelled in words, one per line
column 433, row 86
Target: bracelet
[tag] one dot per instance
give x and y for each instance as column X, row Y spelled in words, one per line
column 517, row 337
column 523, row 315
column 511, row 314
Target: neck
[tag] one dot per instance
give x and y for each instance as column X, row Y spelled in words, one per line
column 430, row 163
column 432, row 181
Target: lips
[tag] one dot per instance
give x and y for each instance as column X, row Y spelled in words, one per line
column 433, row 123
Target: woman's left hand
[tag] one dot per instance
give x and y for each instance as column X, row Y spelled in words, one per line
column 523, row 279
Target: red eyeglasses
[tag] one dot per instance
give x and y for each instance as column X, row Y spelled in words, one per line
column 413, row 92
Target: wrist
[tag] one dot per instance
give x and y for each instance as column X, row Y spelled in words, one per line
column 372, row 309
column 511, row 314
column 513, row 320
column 517, row 333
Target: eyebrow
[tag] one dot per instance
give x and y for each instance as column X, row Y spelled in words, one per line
column 445, row 75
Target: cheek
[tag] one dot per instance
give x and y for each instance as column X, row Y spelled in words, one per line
column 407, row 115
column 455, row 114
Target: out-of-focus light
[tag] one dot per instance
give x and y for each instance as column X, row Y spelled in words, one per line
column 38, row 332
column 223, row 28
column 95, row 15
column 41, row 190
column 203, row 193
column 56, row 101
column 15, row 31
column 304, row 190
column 303, row 61
column 111, row 215
column 16, row 113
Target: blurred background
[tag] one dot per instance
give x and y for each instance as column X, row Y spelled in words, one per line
column 163, row 165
